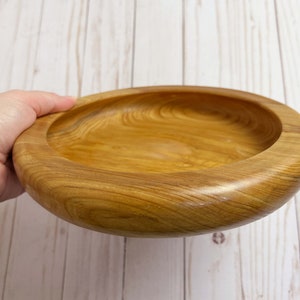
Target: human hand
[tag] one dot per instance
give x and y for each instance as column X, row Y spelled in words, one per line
column 18, row 111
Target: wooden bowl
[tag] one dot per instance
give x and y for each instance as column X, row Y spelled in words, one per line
column 163, row 161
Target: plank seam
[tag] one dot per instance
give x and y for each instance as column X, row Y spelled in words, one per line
column 285, row 96
column 133, row 43
column 9, row 248
column 124, row 268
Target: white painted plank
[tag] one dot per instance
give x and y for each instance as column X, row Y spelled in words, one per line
column 19, row 34
column 227, row 43
column 212, row 266
column 158, row 43
column 269, row 257
column 36, row 260
column 154, row 268
column 109, row 48
column 240, row 50
column 288, row 13
column 17, row 51
column 94, row 266
column 37, row 255
column 7, row 216
column 59, row 58
column 288, row 16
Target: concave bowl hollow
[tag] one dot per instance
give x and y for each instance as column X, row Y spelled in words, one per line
column 163, row 161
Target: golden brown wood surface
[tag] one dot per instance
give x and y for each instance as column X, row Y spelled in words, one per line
column 163, row 161
column 91, row 46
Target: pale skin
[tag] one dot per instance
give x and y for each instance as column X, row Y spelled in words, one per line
column 18, row 111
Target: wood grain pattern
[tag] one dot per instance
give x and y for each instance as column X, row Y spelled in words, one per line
column 94, row 261
column 85, row 47
column 37, row 257
column 18, row 53
column 161, row 63
column 164, row 133
column 243, row 53
column 289, row 37
column 251, row 177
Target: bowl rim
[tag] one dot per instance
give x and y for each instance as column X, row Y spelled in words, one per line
column 280, row 160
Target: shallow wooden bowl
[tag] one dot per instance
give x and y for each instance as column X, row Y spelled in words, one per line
column 163, row 161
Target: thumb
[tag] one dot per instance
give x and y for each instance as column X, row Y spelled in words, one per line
column 19, row 110
column 40, row 102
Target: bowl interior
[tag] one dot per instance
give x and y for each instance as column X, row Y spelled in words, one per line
column 163, row 132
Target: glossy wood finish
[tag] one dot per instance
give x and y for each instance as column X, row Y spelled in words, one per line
column 83, row 47
column 163, row 161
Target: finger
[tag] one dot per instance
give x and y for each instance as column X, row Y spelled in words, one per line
column 41, row 102
column 10, row 187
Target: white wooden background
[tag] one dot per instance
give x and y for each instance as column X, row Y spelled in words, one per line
column 88, row 46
